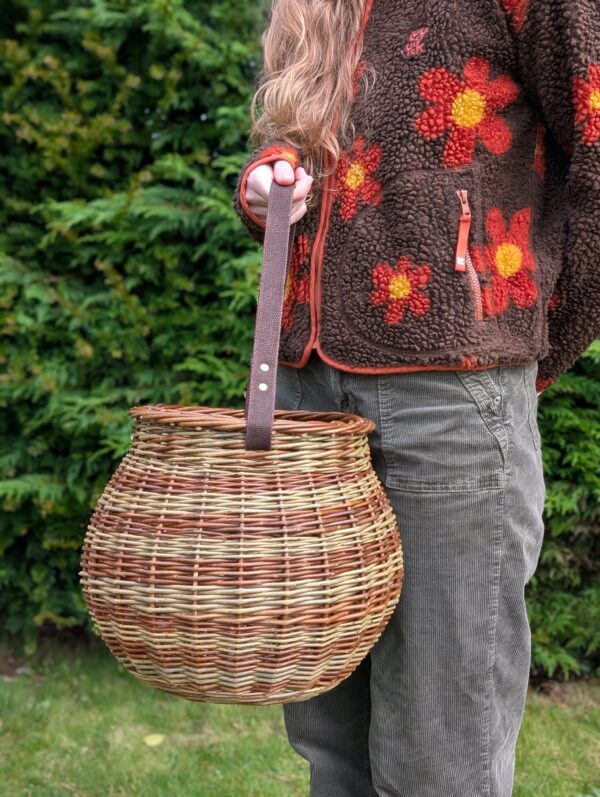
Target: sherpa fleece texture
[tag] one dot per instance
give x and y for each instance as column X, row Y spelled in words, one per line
column 494, row 101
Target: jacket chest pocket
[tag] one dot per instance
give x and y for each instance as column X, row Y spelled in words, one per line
column 407, row 279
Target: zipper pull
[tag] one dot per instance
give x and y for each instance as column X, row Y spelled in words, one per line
column 463, row 230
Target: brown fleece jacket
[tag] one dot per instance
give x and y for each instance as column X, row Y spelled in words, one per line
column 462, row 227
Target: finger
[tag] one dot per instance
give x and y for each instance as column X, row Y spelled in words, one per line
column 259, row 182
column 301, row 189
column 261, row 210
column 261, row 177
column 255, row 199
column 283, row 173
column 259, row 200
column 296, row 215
column 303, row 184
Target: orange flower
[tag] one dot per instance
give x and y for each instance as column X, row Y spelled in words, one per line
column 353, row 177
column 401, row 287
column 509, row 259
column 414, row 44
column 553, row 301
column 517, row 10
column 467, row 108
column 296, row 288
column 586, row 98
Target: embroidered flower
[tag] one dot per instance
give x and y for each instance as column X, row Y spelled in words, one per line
column 414, row 44
column 467, row 108
column 553, row 301
column 586, row 98
column 296, row 288
column 353, row 177
column 517, row 9
column 400, row 287
column 539, row 152
column 509, row 260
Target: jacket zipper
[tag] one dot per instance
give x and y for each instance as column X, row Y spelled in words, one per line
column 462, row 259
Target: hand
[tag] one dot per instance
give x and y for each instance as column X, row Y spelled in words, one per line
column 259, row 183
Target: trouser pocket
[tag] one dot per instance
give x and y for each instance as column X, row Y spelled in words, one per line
column 453, row 438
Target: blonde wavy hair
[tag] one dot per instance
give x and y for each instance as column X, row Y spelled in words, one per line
column 308, row 77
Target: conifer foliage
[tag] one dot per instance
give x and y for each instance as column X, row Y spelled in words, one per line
column 125, row 275
column 126, row 278
column 563, row 597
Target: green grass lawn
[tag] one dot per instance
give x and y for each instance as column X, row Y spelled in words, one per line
column 74, row 722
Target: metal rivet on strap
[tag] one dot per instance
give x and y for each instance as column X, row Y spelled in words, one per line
column 264, row 367
column 263, row 386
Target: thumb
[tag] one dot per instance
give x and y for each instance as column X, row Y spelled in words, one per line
column 283, row 173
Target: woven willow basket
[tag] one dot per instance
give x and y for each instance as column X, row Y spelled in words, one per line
column 244, row 556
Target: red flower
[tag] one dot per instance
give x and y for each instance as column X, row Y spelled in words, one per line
column 553, row 301
column 467, row 108
column 509, row 259
column 353, row 176
column 539, row 153
column 400, row 287
column 296, row 288
column 586, row 98
column 517, row 10
column 414, row 44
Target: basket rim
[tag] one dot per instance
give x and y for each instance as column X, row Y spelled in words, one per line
column 232, row 419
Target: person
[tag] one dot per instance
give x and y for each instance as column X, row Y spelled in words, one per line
column 444, row 272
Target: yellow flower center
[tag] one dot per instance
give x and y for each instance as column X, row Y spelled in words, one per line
column 355, row 176
column 399, row 287
column 288, row 287
column 468, row 108
column 509, row 259
column 595, row 100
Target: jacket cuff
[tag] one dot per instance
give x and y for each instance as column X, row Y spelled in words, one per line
column 542, row 382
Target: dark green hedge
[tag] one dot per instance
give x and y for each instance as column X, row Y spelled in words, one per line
column 563, row 597
column 126, row 278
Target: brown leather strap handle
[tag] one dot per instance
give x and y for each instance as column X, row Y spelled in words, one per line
column 277, row 249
